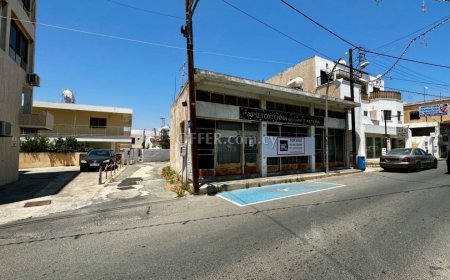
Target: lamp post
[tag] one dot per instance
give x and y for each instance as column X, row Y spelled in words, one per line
column 327, row 167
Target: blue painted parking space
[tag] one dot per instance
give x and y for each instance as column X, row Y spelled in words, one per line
column 245, row 197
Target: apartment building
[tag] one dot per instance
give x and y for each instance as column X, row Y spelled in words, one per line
column 379, row 118
column 429, row 126
column 17, row 79
column 101, row 127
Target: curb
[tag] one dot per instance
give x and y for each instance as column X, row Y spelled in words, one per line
column 242, row 184
column 114, row 176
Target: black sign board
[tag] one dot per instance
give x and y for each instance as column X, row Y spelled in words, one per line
column 278, row 117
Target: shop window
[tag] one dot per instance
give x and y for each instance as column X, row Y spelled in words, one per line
column 254, row 103
column 270, row 105
column 243, row 102
column 414, row 115
column 319, row 112
column 228, row 150
column 272, row 130
column 229, row 126
column 202, row 123
column 203, row 96
column 205, row 139
column 217, row 98
column 231, row 100
column 251, row 127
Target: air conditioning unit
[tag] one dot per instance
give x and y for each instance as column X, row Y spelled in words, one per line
column 5, row 129
column 34, row 80
column 375, row 115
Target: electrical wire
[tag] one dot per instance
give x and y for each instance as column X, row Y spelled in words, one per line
column 416, row 92
column 318, row 24
column 412, row 33
column 147, row 42
column 143, row 10
column 412, row 42
column 275, row 29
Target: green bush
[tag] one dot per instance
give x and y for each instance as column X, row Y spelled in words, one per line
column 41, row 144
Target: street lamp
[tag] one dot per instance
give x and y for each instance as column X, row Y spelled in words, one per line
column 339, row 81
column 424, row 93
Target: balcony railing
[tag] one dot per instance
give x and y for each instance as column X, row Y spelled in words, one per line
column 386, row 94
column 86, row 131
column 344, row 74
column 43, row 121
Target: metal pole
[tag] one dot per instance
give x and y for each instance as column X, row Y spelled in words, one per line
column 327, row 164
column 352, row 95
column 188, row 33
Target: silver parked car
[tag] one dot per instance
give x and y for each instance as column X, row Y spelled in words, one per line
column 408, row 158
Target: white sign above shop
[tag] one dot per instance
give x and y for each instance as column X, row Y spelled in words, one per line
column 273, row 146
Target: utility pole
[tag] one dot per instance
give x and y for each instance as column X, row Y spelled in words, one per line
column 187, row 31
column 352, row 96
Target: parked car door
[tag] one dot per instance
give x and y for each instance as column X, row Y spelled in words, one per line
column 426, row 158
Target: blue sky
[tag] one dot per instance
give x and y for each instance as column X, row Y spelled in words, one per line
column 146, row 77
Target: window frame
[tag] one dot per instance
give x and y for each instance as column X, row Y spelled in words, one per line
column 99, row 124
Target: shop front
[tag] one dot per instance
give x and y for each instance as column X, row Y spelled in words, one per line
column 251, row 129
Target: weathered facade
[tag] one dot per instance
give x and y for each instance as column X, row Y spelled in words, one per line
column 431, row 133
column 17, row 78
column 235, row 119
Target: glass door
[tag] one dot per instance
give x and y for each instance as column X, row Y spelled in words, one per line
column 228, row 153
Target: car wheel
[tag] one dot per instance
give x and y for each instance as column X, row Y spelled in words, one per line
column 418, row 166
column 435, row 164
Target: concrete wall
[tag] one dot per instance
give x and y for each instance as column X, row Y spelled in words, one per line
column 153, row 155
column 38, row 160
column 305, row 70
column 178, row 115
column 12, row 85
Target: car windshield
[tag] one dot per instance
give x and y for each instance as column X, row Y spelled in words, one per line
column 399, row 152
column 98, row 154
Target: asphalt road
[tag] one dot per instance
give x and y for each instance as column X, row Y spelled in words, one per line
column 382, row 225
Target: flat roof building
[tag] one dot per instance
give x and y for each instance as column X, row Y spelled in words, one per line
column 101, row 127
column 247, row 128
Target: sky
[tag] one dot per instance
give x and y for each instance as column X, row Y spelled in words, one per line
column 130, row 53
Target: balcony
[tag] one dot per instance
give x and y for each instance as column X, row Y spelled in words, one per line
column 386, row 95
column 86, row 131
column 43, row 121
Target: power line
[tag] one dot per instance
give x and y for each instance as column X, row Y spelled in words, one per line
column 143, row 10
column 419, row 82
column 416, row 92
column 318, row 24
column 412, row 33
column 408, row 59
column 353, row 45
column 275, row 29
column 147, row 42
column 413, row 40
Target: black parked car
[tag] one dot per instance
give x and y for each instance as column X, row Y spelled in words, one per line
column 97, row 159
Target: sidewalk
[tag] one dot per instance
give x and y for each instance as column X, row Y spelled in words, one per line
column 258, row 182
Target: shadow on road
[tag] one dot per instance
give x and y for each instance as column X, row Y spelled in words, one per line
column 34, row 185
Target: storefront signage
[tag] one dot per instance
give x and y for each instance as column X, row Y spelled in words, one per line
column 433, row 110
column 402, row 132
column 274, row 146
column 278, row 117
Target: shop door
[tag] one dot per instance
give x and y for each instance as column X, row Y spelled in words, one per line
column 250, row 152
column 228, row 159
